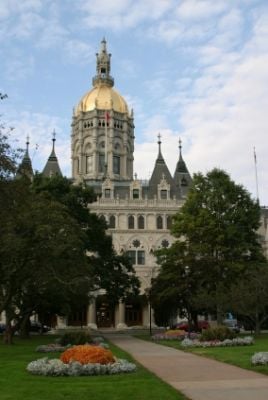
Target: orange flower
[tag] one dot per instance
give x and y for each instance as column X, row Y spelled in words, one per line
column 86, row 354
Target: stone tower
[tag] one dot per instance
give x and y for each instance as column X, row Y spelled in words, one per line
column 102, row 130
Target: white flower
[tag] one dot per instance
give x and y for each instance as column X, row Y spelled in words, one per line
column 55, row 367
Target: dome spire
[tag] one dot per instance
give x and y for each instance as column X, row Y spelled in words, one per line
column 160, row 169
column 103, row 67
column 182, row 177
column 25, row 168
column 180, row 147
column 160, row 157
column 181, row 166
column 52, row 166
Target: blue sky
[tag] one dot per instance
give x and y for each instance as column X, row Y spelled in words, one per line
column 195, row 69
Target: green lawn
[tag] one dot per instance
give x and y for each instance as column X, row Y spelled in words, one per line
column 17, row 384
column 239, row 355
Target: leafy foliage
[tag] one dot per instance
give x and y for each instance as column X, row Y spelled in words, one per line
column 217, row 241
column 75, row 338
column 217, row 333
column 54, row 252
column 249, row 296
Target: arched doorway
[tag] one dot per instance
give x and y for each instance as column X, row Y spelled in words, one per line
column 104, row 313
column 133, row 311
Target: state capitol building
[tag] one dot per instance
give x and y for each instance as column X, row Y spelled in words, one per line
column 138, row 213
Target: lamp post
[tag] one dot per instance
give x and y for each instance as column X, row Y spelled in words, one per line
column 187, row 271
column 148, row 295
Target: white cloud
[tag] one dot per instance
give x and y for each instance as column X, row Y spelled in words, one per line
column 11, row 7
column 78, row 51
column 121, row 14
column 18, row 67
column 39, row 127
column 200, row 9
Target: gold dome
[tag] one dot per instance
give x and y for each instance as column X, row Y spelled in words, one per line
column 102, row 97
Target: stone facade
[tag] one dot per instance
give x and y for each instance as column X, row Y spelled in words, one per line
column 137, row 212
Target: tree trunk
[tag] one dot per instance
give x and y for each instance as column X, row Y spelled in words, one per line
column 8, row 334
column 257, row 324
column 25, row 328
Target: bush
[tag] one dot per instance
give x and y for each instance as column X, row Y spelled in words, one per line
column 75, row 338
column 86, row 354
column 218, row 333
column 260, row 358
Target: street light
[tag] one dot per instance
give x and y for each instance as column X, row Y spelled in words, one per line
column 148, row 295
column 187, row 271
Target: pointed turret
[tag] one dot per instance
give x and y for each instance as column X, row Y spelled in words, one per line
column 182, row 177
column 160, row 170
column 52, row 166
column 103, row 67
column 25, row 168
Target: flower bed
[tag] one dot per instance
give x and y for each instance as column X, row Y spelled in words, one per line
column 260, row 358
column 174, row 334
column 246, row 341
column 55, row 367
column 50, row 348
column 86, row 354
column 81, row 360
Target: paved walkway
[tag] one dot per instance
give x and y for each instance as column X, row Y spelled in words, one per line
column 199, row 378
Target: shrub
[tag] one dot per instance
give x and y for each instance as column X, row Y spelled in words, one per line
column 75, row 338
column 217, row 333
column 86, row 354
column 260, row 358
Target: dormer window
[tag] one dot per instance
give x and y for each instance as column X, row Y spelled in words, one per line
column 163, row 194
column 107, row 193
column 116, row 165
column 184, row 182
column 136, row 194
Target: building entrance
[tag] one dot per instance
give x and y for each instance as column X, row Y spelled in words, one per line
column 104, row 314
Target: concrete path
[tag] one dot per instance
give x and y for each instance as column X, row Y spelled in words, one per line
column 199, row 378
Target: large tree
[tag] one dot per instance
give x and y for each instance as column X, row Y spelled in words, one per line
column 54, row 253
column 217, row 237
column 108, row 270
column 42, row 248
column 249, row 296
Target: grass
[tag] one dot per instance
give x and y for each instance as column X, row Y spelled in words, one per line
column 16, row 383
column 239, row 355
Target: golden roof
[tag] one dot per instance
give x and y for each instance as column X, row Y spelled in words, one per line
column 102, row 97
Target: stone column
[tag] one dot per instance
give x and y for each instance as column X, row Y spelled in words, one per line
column 121, row 316
column 91, row 315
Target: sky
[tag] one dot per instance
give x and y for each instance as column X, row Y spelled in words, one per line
column 190, row 69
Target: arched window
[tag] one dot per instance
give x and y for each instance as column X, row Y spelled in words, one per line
column 102, row 218
column 169, row 222
column 112, row 222
column 159, row 222
column 184, row 182
column 131, row 222
column 163, row 194
column 140, row 222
